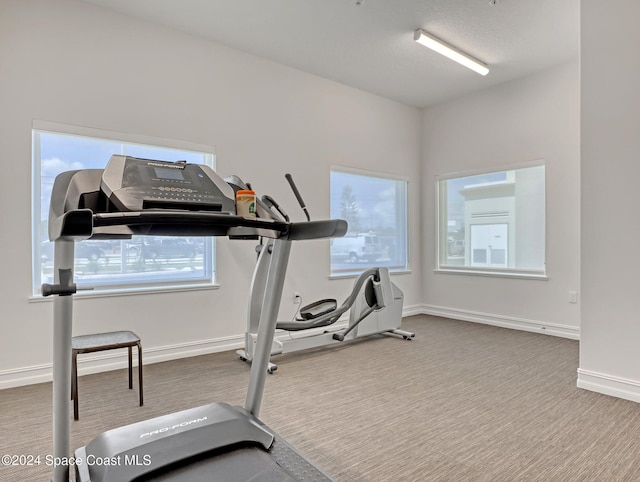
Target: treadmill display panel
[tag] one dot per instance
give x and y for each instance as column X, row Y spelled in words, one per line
column 174, row 174
column 134, row 184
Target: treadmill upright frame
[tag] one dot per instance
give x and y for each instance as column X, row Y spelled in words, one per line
column 71, row 222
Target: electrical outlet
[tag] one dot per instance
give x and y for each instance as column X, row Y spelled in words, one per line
column 296, row 298
column 573, row 296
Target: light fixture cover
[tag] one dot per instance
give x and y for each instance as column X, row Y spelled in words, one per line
column 449, row 51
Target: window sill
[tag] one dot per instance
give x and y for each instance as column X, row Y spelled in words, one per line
column 108, row 293
column 497, row 273
column 355, row 274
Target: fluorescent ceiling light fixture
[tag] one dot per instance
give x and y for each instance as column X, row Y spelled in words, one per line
column 449, row 51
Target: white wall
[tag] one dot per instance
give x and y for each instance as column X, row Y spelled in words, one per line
column 524, row 120
column 70, row 62
column 610, row 159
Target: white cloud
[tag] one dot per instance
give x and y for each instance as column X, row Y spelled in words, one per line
column 54, row 165
column 388, row 194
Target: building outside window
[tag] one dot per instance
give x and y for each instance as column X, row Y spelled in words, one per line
column 493, row 222
column 375, row 206
column 142, row 262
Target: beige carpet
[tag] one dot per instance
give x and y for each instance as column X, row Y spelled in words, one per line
column 461, row 402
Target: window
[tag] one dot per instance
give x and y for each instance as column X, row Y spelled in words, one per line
column 493, row 222
column 143, row 262
column 375, row 206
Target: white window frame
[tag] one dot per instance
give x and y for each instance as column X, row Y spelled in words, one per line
column 356, row 270
column 442, row 219
column 157, row 285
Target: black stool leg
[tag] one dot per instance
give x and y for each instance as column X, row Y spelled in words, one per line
column 74, row 384
column 130, row 369
column 140, row 372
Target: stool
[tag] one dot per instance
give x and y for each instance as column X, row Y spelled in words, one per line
column 100, row 342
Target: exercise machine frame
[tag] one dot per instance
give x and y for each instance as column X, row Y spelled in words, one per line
column 80, row 209
column 367, row 317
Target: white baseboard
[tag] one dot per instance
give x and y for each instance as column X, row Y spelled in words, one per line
column 412, row 310
column 19, row 377
column 535, row 326
column 117, row 359
column 609, row 385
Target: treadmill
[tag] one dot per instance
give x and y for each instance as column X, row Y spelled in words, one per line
column 134, row 196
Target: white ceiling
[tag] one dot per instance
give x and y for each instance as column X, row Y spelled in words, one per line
column 370, row 46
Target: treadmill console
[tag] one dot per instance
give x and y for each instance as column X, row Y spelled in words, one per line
column 134, row 184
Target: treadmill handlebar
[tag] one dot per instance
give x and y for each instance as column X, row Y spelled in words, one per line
column 66, row 286
column 79, row 211
column 329, row 228
column 82, row 224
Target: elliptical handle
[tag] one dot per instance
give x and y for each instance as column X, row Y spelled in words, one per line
column 294, row 188
column 269, row 201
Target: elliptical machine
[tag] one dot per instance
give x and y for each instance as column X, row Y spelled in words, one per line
column 374, row 303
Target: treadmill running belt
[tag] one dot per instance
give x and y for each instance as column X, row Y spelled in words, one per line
column 241, row 464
